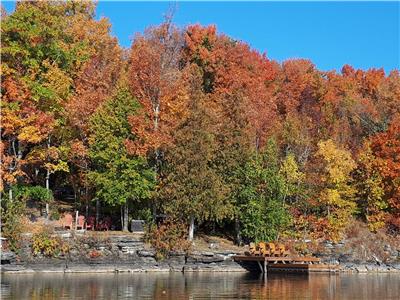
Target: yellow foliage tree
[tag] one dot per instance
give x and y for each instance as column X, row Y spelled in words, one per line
column 370, row 189
column 292, row 175
column 337, row 193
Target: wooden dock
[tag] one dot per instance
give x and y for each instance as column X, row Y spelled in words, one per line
column 287, row 263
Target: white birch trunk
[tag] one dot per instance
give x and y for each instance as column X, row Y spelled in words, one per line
column 48, row 183
column 191, row 228
column 126, row 216
column 76, row 220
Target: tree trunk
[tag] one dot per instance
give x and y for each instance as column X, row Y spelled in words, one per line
column 86, row 202
column 76, row 220
column 237, row 231
column 47, row 182
column 191, row 228
column 47, row 211
column 156, row 110
column 257, row 143
column 126, row 216
column 97, row 212
column 10, row 194
column 47, row 188
column 122, row 217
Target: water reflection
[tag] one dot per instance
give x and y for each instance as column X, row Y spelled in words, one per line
column 199, row 286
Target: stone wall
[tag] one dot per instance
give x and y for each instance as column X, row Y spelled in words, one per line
column 128, row 253
column 119, row 254
column 359, row 258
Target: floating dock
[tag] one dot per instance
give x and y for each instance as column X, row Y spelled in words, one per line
column 286, row 263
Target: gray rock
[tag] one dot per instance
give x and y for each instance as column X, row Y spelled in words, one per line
column 180, row 260
column 387, row 248
column 176, row 268
column 205, row 253
column 146, row 253
column 126, row 239
column 396, row 266
column 204, row 259
column 177, row 253
column 370, row 268
column 7, row 257
column 378, row 261
column 148, row 260
column 65, row 235
column 361, row 269
column 13, row 268
column 344, row 258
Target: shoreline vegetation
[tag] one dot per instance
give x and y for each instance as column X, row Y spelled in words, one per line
column 190, row 132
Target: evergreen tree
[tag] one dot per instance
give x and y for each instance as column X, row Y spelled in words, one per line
column 263, row 212
column 192, row 188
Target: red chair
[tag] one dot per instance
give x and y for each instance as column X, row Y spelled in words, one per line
column 105, row 224
column 108, row 223
column 67, row 221
column 81, row 222
column 91, row 223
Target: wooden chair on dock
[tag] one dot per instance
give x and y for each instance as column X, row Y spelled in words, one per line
column 271, row 249
column 253, row 249
column 263, row 249
column 280, row 250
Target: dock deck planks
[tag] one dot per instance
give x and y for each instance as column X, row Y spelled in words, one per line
column 303, row 259
column 287, row 263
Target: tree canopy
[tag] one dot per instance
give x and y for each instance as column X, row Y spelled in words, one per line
column 196, row 125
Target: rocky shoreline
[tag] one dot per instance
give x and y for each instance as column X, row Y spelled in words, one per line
column 136, row 267
column 118, row 254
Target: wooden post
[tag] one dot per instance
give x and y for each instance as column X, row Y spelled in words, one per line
column 76, row 220
column 260, row 266
column 265, row 268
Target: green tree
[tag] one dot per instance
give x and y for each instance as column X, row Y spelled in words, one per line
column 192, row 189
column 119, row 178
column 263, row 212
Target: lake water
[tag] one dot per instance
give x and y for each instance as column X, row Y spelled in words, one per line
column 176, row 286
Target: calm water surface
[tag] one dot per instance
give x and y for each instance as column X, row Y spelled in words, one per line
column 199, row 286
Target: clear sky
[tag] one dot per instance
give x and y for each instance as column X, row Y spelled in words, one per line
column 331, row 34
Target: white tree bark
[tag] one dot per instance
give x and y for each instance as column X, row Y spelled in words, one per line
column 126, row 216
column 48, row 183
column 191, row 228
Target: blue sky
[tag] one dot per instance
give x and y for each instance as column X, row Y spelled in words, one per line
column 331, row 34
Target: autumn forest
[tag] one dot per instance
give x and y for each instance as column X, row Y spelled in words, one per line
column 193, row 125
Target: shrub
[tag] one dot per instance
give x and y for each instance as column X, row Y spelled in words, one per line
column 55, row 215
column 45, row 243
column 94, row 253
column 40, row 194
column 170, row 236
column 12, row 212
column 35, row 193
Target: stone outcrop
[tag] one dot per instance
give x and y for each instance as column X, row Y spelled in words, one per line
column 118, row 254
column 363, row 261
column 128, row 253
